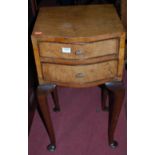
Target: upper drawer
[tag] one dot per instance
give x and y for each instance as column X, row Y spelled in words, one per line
column 78, row 51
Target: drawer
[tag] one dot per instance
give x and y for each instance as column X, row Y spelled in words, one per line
column 80, row 73
column 78, row 51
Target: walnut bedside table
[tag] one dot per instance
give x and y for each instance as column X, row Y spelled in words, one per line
column 79, row 46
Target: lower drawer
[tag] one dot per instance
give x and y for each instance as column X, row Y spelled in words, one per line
column 80, row 73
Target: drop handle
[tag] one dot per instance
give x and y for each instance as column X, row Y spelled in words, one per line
column 78, row 52
column 80, row 75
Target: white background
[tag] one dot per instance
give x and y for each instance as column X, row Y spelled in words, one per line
column 14, row 77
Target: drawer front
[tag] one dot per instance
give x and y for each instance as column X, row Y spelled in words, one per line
column 79, row 74
column 78, row 51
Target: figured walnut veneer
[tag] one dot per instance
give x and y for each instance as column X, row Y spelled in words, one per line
column 95, row 39
column 95, row 36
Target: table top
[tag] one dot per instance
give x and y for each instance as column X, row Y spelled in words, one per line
column 78, row 21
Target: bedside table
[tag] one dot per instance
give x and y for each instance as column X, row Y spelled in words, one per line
column 79, row 46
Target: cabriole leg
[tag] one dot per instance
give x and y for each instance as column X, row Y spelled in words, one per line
column 116, row 97
column 104, row 98
column 42, row 92
column 54, row 94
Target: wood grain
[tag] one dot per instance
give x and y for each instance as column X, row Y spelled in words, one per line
column 87, row 50
column 37, row 57
column 95, row 30
column 79, row 74
column 116, row 97
column 121, row 57
column 77, row 21
column 42, row 93
column 79, row 61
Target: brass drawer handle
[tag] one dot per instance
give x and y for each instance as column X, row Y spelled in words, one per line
column 78, row 52
column 80, row 75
